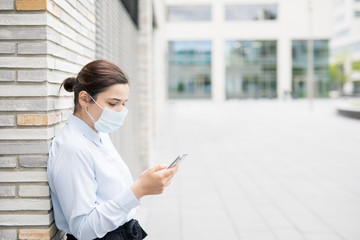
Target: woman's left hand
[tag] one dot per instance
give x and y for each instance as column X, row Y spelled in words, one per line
column 153, row 181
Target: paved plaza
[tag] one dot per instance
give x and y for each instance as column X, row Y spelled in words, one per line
column 257, row 170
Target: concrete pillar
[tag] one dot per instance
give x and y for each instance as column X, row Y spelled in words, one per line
column 284, row 66
column 217, row 53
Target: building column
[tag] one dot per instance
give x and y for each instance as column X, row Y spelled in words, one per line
column 217, row 54
column 284, row 66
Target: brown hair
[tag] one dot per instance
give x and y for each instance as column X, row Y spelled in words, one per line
column 94, row 78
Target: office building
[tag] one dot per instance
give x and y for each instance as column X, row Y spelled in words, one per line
column 345, row 45
column 246, row 49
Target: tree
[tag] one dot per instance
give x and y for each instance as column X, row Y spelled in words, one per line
column 338, row 77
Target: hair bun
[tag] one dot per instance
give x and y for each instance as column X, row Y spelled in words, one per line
column 69, row 84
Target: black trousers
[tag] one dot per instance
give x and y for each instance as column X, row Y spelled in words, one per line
column 129, row 231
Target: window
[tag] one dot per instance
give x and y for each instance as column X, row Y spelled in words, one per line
column 189, row 71
column 321, row 68
column 339, row 4
column 251, row 69
column 340, row 19
column 355, row 47
column 252, row 12
column 341, row 33
column 189, row 13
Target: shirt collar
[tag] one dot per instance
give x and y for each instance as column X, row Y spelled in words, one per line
column 85, row 129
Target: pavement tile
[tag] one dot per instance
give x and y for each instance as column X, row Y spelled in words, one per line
column 321, row 236
column 257, row 170
column 288, row 234
column 257, row 236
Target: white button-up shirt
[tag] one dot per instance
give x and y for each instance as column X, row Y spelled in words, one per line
column 89, row 182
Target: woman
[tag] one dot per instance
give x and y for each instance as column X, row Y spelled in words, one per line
column 92, row 191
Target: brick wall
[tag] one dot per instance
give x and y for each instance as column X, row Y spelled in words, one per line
column 41, row 43
column 146, row 82
column 122, row 50
column 118, row 39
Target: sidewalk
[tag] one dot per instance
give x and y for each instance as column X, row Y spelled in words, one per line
column 257, row 170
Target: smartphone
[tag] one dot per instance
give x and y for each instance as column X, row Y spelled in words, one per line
column 177, row 161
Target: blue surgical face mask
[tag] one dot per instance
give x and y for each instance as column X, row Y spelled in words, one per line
column 110, row 120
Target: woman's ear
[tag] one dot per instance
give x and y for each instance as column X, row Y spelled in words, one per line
column 83, row 99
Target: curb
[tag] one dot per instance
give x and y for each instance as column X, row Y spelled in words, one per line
column 353, row 112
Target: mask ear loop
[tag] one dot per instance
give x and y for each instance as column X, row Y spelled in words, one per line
column 95, row 101
column 89, row 115
column 87, row 110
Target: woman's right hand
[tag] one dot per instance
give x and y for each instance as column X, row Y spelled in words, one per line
column 153, row 181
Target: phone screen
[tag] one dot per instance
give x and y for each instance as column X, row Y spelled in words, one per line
column 177, row 161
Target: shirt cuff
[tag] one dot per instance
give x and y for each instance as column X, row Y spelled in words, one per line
column 127, row 200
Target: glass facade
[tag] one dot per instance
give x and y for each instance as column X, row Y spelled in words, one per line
column 189, row 69
column 340, row 19
column 321, row 68
column 253, row 12
column 355, row 47
column 251, row 69
column 342, row 33
column 189, row 13
column 340, row 3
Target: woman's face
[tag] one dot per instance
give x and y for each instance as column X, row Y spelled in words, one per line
column 113, row 98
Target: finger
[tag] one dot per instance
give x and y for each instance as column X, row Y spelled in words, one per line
column 168, row 173
column 168, row 182
column 173, row 170
column 176, row 168
column 157, row 167
column 169, row 178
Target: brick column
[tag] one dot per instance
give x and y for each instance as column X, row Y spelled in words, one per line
column 41, row 43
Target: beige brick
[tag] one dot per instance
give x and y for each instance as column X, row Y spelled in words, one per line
column 38, row 119
column 54, row 118
column 32, row 119
column 30, row 4
column 34, row 234
column 46, row 233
